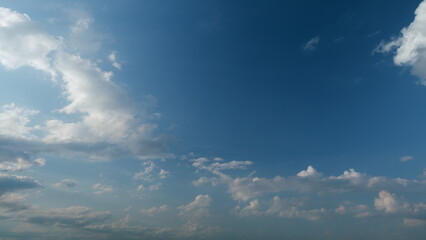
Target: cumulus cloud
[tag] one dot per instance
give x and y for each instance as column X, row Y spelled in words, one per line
column 389, row 203
column 411, row 45
column 197, row 208
column 309, row 172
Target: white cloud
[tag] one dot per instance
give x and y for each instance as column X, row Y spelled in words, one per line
column 388, row 203
column 309, row 172
column 163, row 174
column 406, row 158
column 146, row 173
column 14, row 121
column 154, row 210
column 252, row 209
column 17, row 165
column 219, row 165
column 411, row 45
column 282, row 208
column 197, row 208
column 250, row 187
column 113, row 58
column 101, row 189
column 98, row 113
column 22, row 43
column 70, row 183
column 391, row 204
column 312, row 44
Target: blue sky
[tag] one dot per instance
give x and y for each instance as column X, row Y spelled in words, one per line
column 212, row 120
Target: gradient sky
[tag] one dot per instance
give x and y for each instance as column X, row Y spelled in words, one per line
column 212, row 119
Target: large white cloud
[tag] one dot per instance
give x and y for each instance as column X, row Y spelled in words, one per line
column 98, row 115
column 411, row 45
column 23, row 43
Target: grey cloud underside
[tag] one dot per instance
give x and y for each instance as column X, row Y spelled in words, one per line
column 30, row 149
column 11, row 183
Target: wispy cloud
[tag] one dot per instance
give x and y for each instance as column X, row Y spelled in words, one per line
column 312, row 44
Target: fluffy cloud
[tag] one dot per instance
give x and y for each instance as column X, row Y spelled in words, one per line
column 390, row 204
column 14, row 121
column 309, row 172
column 22, row 43
column 252, row 209
column 411, row 45
column 197, row 208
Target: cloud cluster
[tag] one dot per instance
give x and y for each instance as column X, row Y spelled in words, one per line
column 306, row 181
column 150, row 173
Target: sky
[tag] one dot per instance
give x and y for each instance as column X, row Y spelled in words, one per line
column 212, row 119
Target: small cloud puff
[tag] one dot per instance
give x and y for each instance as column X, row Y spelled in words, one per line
column 406, row 158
